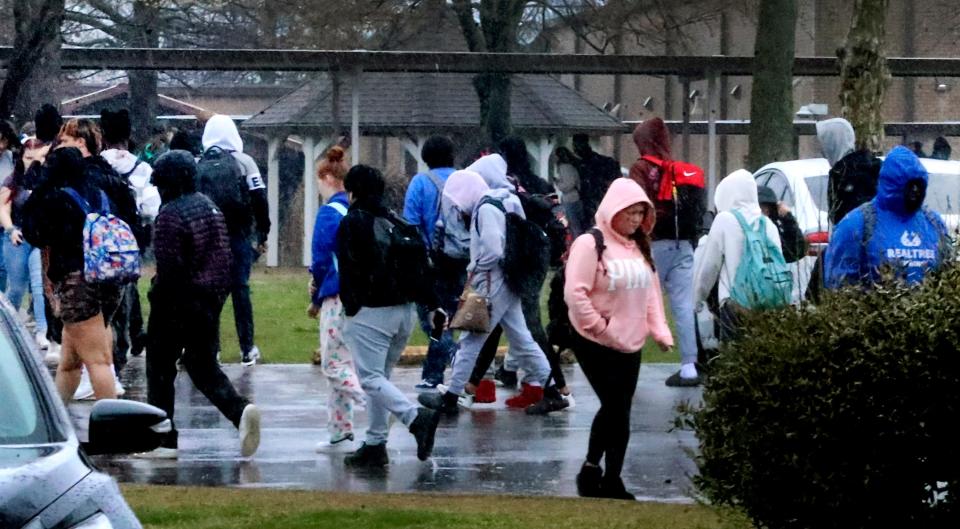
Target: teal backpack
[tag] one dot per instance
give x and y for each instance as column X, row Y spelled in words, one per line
column 763, row 280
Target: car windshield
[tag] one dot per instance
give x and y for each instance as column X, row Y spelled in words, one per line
column 943, row 194
column 817, row 185
column 22, row 414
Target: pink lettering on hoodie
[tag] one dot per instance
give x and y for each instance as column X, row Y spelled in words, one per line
column 615, row 301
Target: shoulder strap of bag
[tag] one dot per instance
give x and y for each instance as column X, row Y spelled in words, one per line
column 80, row 201
column 131, row 171
column 652, row 159
column 944, row 244
column 437, row 183
column 599, row 245
column 487, row 200
column 339, row 208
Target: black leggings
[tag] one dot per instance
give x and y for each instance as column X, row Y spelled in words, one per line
column 613, row 376
column 531, row 315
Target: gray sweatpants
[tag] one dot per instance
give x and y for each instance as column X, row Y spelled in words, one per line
column 675, row 269
column 377, row 336
column 524, row 350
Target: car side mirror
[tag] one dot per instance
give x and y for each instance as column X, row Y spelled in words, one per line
column 125, row 426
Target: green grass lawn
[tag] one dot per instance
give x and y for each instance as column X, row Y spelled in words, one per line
column 161, row 507
column 286, row 335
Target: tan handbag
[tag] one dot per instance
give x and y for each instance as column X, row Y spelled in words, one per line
column 473, row 312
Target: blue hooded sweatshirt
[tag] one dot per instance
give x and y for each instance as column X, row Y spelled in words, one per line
column 908, row 241
column 324, row 266
column 421, row 206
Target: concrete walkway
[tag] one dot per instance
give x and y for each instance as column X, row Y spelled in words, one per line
column 489, row 450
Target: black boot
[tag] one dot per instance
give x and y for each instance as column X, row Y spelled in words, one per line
column 445, row 403
column 424, row 429
column 368, row 456
column 507, row 378
column 588, row 481
column 612, row 487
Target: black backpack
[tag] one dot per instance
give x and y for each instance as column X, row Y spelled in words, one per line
column 220, row 178
column 560, row 331
column 541, row 210
column 402, row 252
column 526, row 254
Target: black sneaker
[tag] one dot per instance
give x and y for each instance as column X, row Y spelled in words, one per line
column 368, row 456
column 677, row 381
column 551, row 401
column 445, row 403
column 613, row 489
column 588, row 481
column 138, row 343
column 424, row 429
column 507, row 379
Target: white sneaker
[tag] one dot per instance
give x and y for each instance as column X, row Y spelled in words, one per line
column 346, row 444
column 118, row 387
column 42, row 343
column 52, row 358
column 158, row 453
column 85, row 389
column 465, row 401
column 250, row 358
column 569, row 400
column 249, row 430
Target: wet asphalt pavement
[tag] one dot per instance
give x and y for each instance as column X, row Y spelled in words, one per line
column 490, row 449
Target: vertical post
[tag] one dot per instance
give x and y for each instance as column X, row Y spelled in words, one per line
column 685, row 127
column 273, row 200
column 355, row 115
column 543, row 157
column 712, row 107
column 309, row 197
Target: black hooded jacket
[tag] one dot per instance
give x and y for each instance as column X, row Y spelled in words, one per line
column 366, row 280
column 191, row 242
column 52, row 219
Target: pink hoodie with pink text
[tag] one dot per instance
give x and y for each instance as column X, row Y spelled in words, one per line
column 615, row 302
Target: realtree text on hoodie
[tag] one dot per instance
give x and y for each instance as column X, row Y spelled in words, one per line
column 615, row 301
column 221, row 132
column 724, row 246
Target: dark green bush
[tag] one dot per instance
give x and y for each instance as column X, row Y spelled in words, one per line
column 842, row 416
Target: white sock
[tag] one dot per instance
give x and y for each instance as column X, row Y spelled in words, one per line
column 688, row 370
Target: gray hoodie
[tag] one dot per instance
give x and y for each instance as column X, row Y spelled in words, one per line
column 493, row 169
column 837, row 139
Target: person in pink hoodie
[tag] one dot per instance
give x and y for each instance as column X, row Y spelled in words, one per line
column 615, row 303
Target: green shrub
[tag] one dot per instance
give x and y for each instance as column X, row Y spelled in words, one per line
column 842, row 416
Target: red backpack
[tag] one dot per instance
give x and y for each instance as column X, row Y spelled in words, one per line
column 674, row 174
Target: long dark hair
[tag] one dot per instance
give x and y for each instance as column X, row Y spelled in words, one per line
column 19, row 180
column 9, row 133
column 642, row 239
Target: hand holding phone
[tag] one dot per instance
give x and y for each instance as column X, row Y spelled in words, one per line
column 439, row 324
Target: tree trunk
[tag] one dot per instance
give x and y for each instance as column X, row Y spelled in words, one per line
column 143, row 83
column 497, row 33
column 863, row 73
column 31, row 77
column 771, row 105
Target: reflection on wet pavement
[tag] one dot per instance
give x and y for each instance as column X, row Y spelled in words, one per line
column 492, row 450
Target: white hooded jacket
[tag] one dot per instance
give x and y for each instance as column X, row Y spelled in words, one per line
column 723, row 249
column 147, row 196
column 220, row 131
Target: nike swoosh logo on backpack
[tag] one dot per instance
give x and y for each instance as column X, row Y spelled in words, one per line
column 689, row 174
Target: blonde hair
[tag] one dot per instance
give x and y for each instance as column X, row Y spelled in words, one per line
column 83, row 129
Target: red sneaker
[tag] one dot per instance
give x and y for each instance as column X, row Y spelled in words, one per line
column 528, row 395
column 486, row 392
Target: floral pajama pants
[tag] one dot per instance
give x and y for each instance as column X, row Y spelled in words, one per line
column 337, row 366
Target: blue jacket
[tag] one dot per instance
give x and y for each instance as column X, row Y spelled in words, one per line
column 420, row 205
column 907, row 241
column 324, row 267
